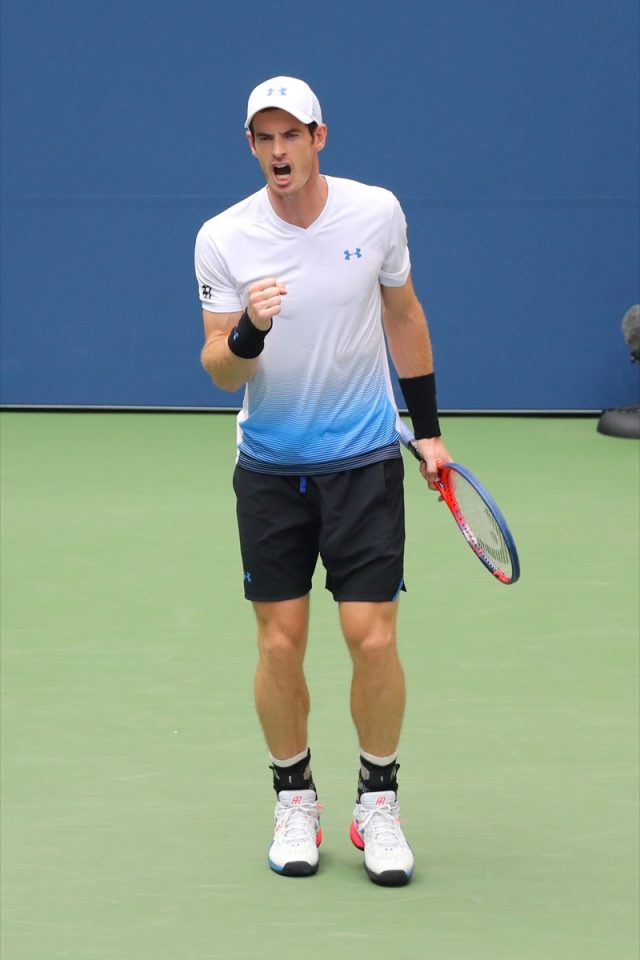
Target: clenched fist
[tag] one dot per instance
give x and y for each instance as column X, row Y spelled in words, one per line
column 265, row 300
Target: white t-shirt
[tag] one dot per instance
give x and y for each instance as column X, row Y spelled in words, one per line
column 321, row 399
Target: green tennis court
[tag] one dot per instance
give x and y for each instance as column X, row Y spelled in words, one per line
column 137, row 801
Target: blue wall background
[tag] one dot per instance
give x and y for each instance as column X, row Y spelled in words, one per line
column 507, row 128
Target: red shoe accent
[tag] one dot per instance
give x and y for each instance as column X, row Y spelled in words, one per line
column 318, row 838
column 355, row 837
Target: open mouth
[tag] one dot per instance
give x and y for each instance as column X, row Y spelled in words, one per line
column 281, row 171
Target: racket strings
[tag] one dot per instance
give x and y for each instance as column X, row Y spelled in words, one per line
column 480, row 526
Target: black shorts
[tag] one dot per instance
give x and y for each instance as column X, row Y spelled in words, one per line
column 353, row 520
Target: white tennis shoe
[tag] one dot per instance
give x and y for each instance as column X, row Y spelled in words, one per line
column 376, row 830
column 297, row 834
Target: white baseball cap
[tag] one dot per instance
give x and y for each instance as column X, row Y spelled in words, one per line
column 285, row 93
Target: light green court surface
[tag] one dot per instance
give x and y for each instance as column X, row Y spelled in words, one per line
column 137, row 803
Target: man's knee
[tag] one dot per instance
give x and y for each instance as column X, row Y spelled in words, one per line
column 376, row 645
column 282, row 630
column 370, row 630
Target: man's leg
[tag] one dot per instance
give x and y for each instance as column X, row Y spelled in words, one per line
column 377, row 706
column 282, row 697
column 377, row 688
column 282, row 703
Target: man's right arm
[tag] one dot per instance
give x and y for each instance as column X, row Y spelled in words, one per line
column 227, row 371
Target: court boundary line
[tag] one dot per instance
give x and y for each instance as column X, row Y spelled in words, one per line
column 126, row 408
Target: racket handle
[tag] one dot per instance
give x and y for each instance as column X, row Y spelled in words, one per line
column 411, row 447
column 408, row 440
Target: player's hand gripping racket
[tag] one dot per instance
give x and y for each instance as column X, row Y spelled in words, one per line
column 477, row 515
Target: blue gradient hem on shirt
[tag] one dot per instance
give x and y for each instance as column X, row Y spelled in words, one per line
column 388, row 452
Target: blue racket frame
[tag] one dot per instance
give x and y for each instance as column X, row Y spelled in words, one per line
column 408, row 440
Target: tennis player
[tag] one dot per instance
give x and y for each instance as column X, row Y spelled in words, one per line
column 299, row 284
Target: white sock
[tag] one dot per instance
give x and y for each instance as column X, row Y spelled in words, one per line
column 290, row 762
column 379, row 761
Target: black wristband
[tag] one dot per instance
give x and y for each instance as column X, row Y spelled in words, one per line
column 420, row 397
column 246, row 340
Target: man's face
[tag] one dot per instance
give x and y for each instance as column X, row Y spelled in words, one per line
column 286, row 151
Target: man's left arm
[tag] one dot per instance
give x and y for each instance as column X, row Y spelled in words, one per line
column 409, row 344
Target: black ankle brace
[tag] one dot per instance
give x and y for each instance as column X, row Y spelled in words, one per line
column 296, row 777
column 373, row 778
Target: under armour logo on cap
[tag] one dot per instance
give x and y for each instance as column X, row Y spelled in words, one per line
column 298, row 99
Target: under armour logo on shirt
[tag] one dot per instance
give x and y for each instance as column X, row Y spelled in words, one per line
column 356, row 253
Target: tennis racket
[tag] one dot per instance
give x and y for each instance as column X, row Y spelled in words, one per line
column 475, row 511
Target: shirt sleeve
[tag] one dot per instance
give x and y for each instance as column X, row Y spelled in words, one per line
column 397, row 262
column 216, row 287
